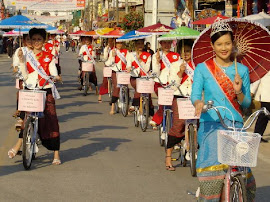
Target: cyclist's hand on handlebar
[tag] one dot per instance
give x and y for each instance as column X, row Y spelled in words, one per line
column 198, row 107
column 56, row 78
column 237, row 83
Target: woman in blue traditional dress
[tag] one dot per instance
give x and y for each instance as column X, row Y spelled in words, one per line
column 218, row 80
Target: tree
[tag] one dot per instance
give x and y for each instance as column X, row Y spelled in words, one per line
column 132, row 21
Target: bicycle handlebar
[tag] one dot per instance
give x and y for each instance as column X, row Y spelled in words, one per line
column 210, row 106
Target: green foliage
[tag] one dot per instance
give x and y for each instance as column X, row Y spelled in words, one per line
column 132, row 21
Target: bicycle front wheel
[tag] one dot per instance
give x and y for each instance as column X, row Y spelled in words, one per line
column 192, row 149
column 161, row 138
column 135, row 117
column 125, row 101
column 110, row 87
column 145, row 114
column 168, row 126
column 238, row 192
column 28, row 144
column 86, row 83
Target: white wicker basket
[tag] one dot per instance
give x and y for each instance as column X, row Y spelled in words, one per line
column 237, row 148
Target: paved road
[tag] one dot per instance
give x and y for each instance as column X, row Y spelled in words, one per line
column 105, row 158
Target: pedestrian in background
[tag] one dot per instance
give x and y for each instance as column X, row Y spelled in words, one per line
column 10, row 47
column 260, row 92
column 1, row 45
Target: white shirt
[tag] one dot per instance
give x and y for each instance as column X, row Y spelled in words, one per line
column 136, row 72
column 260, row 89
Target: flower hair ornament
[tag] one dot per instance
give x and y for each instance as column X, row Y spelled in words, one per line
column 220, row 26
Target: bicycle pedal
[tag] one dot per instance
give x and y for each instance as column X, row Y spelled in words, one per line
column 174, row 159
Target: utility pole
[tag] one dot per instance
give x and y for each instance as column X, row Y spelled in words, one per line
column 117, row 13
column 126, row 7
column 154, row 21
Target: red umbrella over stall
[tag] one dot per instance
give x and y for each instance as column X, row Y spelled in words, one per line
column 157, row 29
column 209, row 20
column 252, row 46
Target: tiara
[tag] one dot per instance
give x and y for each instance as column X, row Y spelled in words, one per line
column 220, row 26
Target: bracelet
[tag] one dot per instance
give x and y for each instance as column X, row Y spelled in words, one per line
column 239, row 93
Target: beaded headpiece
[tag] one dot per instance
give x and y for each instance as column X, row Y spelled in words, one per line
column 220, row 26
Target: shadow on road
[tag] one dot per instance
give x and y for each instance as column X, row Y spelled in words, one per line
column 75, row 103
column 98, row 145
column 80, row 132
column 263, row 194
column 72, row 115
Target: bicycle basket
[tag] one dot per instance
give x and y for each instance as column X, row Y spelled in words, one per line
column 32, row 100
column 237, row 148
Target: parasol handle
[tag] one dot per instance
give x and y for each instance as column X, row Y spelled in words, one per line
column 236, row 69
column 183, row 54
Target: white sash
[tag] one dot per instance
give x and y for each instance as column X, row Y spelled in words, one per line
column 88, row 54
column 189, row 71
column 24, row 50
column 139, row 64
column 37, row 67
column 122, row 58
column 166, row 61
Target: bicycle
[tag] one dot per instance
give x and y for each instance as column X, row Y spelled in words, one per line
column 188, row 146
column 141, row 112
column 166, row 124
column 87, row 69
column 241, row 155
column 123, row 101
column 30, row 135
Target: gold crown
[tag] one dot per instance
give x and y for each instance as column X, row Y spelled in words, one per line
column 219, row 26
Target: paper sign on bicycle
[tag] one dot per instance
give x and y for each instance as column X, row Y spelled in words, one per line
column 145, row 86
column 87, row 67
column 32, row 101
column 17, row 84
column 186, row 110
column 165, row 96
column 107, row 72
column 123, row 78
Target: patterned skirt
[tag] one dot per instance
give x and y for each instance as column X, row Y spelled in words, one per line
column 48, row 127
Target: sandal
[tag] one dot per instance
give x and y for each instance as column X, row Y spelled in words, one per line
column 112, row 112
column 170, row 167
column 99, row 101
column 12, row 153
column 56, row 162
column 153, row 124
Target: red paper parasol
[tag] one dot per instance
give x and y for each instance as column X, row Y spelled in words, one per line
column 252, row 44
column 114, row 34
column 209, row 20
column 158, row 29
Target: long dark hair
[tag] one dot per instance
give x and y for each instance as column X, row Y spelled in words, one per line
column 217, row 35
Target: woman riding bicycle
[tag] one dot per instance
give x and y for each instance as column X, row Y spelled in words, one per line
column 48, row 127
column 176, row 133
column 88, row 54
column 138, row 64
column 117, row 59
column 218, row 80
column 104, row 86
